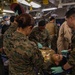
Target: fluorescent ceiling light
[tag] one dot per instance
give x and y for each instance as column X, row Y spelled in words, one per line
column 33, row 4
column 54, row 15
column 8, row 11
column 48, row 9
column 4, row 13
column 24, row 2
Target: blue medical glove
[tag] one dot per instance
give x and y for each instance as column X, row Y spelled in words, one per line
column 56, row 70
column 64, row 52
column 49, row 46
column 39, row 45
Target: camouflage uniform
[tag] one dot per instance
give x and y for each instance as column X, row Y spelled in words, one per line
column 23, row 54
column 71, row 60
column 40, row 36
column 8, row 33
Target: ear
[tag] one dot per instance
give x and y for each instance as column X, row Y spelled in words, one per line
column 65, row 18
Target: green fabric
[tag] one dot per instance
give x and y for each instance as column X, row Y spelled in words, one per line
column 23, row 55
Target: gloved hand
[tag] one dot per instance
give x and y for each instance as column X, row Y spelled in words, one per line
column 49, row 46
column 56, row 70
column 39, row 45
column 64, row 52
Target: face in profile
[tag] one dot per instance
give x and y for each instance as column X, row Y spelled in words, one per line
column 25, row 23
column 71, row 22
column 29, row 30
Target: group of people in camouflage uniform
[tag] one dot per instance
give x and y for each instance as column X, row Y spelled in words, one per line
column 22, row 44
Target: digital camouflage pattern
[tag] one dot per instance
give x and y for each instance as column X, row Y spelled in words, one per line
column 8, row 33
column 23, row 55
column 51, row 27
column 71, row 61
column 72, row 55
column 42, row 37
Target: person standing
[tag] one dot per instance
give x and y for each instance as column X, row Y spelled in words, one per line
column 70, row 18
column 40, row 35
column 64, row 37
column 51, row 27
column 23, row 54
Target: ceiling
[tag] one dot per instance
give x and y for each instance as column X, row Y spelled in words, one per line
column 62, row 7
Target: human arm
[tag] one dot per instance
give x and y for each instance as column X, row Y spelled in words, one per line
column 48, row 40
column 32, row 36
column 56, row 70
column 60, row 42
column 71, row 59
column 65, row 53
column 61, row 69
column 37, row 59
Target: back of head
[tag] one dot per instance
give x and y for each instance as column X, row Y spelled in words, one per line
column 24, row 20
column 52, row 18
column 42, row 23
column 70, row 12
column 12, row 18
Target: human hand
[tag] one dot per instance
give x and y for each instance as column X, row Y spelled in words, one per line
column 64, row 52
column 40, row 45
column 49, row 46
column 56, row 70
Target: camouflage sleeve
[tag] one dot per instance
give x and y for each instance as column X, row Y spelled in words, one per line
column 32, row 36
column 55, row 30
column 37, row 57
column 60, row 42
column 31, row 51
column 71, row 60
column 11, row 29
column 48, row 40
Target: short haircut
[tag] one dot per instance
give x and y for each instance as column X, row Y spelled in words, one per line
column 52, row 18
column 42, row 23
column 12, row 18
column 70, row 12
